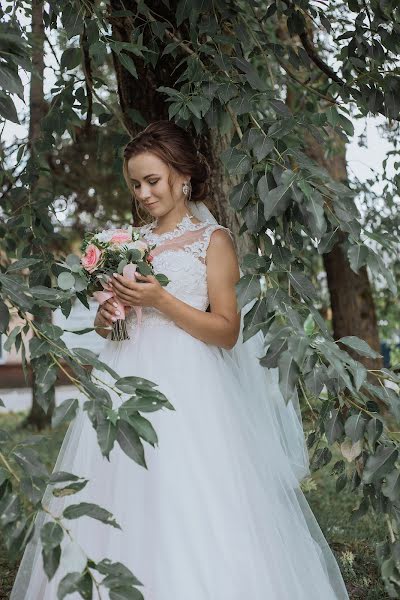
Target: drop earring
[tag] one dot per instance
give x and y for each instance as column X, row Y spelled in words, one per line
column 187, row 190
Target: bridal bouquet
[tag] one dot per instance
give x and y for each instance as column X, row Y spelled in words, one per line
column 110, row 251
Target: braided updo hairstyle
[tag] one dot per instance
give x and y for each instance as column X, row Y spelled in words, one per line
column 175, row 146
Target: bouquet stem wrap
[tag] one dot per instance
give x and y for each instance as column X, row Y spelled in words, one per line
column 119, row 330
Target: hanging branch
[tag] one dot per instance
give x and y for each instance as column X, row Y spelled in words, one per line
column 87, row 70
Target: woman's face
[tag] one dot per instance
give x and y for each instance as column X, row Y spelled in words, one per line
column 149, row 179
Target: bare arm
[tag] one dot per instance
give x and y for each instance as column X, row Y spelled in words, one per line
column 221, row 326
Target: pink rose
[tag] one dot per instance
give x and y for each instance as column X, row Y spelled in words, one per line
column 91, row 258
column 150, row 258
column 121, row 236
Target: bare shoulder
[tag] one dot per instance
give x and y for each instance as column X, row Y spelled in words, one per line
column 221, row 240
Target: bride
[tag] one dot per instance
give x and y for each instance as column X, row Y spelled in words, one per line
column 218, row 514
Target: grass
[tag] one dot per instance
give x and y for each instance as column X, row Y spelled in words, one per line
column 352, row 543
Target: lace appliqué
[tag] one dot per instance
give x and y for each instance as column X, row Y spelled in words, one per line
column 180, row 255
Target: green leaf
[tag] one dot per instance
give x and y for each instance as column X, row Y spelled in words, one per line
column 130, row 384
column 39, row 347
column 64, row 411
column 87, row 509
column 328, row 241
column 7, row 108
column 116, row 569
column 51, row 535
column 355, row 427
column 309, row 325
column 240, row 195
column 288, row 375
column 391, row 487
column 23, row 263
column 71, row 58
column 379, row 464
column 357, row 256
column 236, row 162
column 130, row 442
column 143, row 427
column 125, row 593
column 302, row 284
column 247, row 288
column 374, row 430
column 70, row 489
column 51, row 561
column 29, row 460
column 127, row 62
column 359, row 346
column 10, row 81
column 66, row 280
column 106, row 435
column 4, row 475
column 4, row 317
column 333, row 426
column 275, row 201
column 86, row 356
column 76, row 582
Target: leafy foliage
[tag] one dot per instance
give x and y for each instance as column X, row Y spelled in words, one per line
column 233, row 63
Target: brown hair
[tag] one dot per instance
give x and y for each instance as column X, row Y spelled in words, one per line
column 175, row 146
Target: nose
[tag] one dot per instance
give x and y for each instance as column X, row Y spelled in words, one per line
column 143, row 193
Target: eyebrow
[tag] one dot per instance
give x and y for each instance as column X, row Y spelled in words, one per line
column 147, row 176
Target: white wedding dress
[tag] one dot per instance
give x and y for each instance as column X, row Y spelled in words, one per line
column 218, row 514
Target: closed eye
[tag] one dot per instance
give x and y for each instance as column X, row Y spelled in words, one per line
column 136, row 185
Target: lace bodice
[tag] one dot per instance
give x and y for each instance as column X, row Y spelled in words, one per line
column 179, row 254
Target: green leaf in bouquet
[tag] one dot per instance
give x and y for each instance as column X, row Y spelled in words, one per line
column 144, row 268
column 162, row 279
column 122, row 263
column 66, row 280
column 133, row 255
column 73, row 260
column 81, row 283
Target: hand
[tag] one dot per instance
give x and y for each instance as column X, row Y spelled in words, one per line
column 146, row 291
column 108, row 312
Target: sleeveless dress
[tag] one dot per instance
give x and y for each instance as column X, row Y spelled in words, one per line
column 218, row 514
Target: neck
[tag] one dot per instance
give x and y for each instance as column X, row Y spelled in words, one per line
column 169, row 221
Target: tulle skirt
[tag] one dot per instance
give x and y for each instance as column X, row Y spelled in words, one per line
column 218, row 514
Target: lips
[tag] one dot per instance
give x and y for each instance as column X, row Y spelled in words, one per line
column 152, row 204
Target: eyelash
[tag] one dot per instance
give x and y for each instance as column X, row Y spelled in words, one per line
column 150, row 182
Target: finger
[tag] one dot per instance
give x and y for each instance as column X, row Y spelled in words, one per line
column 108, row 316
column 123, row 281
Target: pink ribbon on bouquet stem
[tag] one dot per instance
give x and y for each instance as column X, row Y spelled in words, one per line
column 102, row 296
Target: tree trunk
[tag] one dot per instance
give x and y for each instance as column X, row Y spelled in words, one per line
column 141, row 95
column 37, row 418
